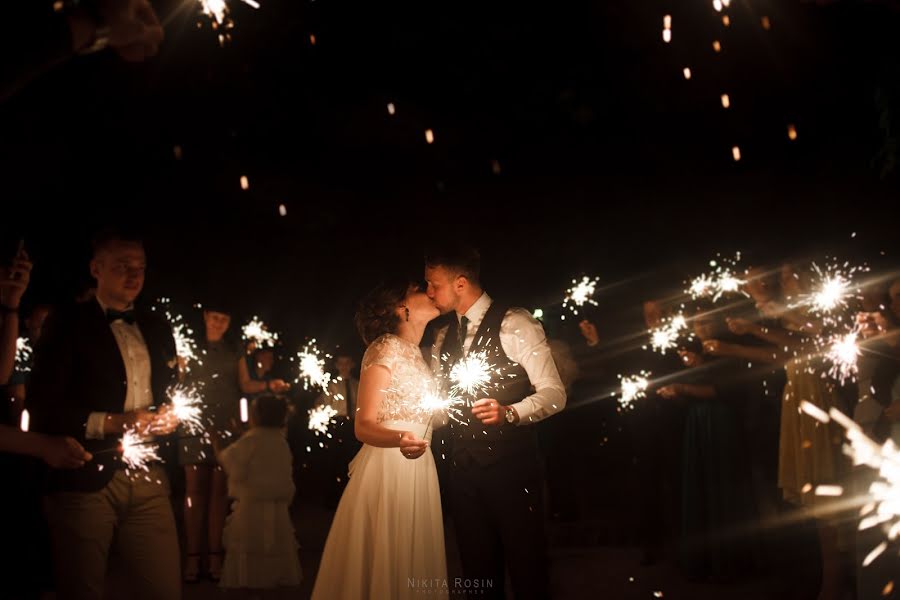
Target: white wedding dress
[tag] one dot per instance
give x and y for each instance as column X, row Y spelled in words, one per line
column 387, row 537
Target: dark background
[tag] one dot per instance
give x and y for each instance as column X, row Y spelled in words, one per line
column 610, row 163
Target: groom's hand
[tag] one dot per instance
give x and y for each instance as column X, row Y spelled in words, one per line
column 489, row 411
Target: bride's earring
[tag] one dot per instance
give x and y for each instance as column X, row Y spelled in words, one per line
column 406, row 308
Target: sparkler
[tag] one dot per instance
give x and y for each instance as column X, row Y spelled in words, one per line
column 633, row 387
column 185, row 345
column 665, row 337
column 187, row 406
column 136, row 453
column 722, row 280
column 320, row 417
column 843, row 354
column 257, row 331
column 312, row 366
column 581, row 293
column 23, row 355
column 472, row 374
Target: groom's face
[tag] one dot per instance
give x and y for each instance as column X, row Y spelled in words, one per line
column 442, row 288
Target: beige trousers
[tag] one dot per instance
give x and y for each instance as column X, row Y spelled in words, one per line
column 134, row 513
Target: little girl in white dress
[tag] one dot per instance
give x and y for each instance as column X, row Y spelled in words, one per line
column 260, row 546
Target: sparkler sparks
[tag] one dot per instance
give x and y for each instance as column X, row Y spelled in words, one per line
column 722, row 280
column 136, row 453
column 581, row 293
column 312, row 366
column 320, row 417
column 185, row 345
column 665, row 337
column 832, row 288
column 472, row 374
column 633, row 387
column 257, row 331
column 187, row 405
column 843, row 354
column 23, row 355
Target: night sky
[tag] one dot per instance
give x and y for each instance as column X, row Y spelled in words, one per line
column 608, row 162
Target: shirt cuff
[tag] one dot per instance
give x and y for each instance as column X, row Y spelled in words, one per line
column 524, row 409
column 94, row 430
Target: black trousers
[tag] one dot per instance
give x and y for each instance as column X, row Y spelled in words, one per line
column 498, row 516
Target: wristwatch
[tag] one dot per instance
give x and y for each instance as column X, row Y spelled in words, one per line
column 510, row 415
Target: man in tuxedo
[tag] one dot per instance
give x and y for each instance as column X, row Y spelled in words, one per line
column 101, row 368
column 496, row 485
column 341, row 393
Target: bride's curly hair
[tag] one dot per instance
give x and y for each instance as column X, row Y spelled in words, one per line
column 376, row 313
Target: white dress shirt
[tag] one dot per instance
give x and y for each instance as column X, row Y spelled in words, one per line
column 137, row 373
column 523, row 340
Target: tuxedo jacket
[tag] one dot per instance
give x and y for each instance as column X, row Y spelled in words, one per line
column 78, row 369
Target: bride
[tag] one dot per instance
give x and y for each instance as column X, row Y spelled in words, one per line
column 387, row 537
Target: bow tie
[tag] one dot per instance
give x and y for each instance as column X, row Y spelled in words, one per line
column 123, row 315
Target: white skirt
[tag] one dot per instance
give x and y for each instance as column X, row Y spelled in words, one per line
column 387, row 537
column 260, row 546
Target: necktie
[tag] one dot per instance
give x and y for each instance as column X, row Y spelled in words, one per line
column 123, row 315
column 463, row 332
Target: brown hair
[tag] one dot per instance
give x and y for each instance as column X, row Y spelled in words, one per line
column 375, row 315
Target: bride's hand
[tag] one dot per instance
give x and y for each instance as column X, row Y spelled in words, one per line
column 412, row 447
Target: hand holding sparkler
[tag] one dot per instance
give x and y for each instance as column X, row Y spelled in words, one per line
column 489, row 411
column 715, row 348
column 412, row 447
column 690, row 359
column 63, row 452
column 739, row 326
column 589, row 333
column 673, row 390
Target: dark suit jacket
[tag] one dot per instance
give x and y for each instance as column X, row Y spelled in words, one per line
column 78, row 369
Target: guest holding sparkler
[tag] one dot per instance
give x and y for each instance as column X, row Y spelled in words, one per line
column 878, row 413
column 758, row 346
column 495, row 474
column 714, row 468
column 33, row 325
column 100, row 369
column 259, row 536
column 387, row 537
column 215, row 375
column 810, row 451
column 255, row 373
column 24, row 549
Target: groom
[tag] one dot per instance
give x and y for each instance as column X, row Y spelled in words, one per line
column 495, row 480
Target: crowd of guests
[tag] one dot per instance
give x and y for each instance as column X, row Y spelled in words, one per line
column 718, row 454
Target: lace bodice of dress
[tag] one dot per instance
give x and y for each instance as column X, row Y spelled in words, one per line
column 411, row 378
